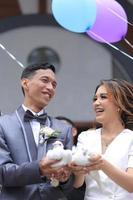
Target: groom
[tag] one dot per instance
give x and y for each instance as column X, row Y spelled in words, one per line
column 25, row 171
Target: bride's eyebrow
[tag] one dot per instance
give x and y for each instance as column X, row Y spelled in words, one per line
column 104, row 93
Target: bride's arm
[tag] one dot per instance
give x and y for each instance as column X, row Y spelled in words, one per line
column 79, row 180
column 122, row 178
column 79, row 174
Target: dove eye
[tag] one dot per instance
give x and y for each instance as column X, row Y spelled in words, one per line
column 85, row 152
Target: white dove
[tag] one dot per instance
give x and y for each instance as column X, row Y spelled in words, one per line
column 81, row 156
column 59, row 153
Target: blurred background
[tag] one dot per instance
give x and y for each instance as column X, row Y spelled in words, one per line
column 29, row 31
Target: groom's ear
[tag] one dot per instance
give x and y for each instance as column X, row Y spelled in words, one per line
column 24, row 84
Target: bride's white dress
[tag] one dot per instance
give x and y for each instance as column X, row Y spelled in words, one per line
column 119, row 153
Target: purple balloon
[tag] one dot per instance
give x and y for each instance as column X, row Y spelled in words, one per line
column 111, row 22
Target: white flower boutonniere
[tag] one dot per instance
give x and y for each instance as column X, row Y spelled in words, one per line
column 54, row 182
column 46, row 133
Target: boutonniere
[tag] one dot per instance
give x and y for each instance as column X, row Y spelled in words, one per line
column 46, row 133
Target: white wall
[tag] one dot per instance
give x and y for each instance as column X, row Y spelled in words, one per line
column 83, row 63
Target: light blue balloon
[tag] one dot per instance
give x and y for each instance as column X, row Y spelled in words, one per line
column 75, row 15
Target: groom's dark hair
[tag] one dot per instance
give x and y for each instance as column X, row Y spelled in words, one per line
column 31, row 69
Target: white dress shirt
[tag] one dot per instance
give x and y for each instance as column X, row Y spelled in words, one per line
column 35, row 125
column 119, row 153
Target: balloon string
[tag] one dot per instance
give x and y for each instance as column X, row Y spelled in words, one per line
column 128, row 42
column 115, row 13
column 120, row 16
column 116, row 48
column 11, row 55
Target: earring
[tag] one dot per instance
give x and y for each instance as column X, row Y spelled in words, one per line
column 118, row 110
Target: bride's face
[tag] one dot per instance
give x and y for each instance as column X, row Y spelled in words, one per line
column 104, row 106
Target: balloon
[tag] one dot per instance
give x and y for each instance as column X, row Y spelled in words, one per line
column 111, row 22
column 75, row 15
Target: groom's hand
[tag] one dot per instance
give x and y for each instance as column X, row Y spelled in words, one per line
column 62, row 174
column 45, row 166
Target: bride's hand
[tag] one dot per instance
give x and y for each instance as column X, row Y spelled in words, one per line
column 96, row 162
column 78, row 169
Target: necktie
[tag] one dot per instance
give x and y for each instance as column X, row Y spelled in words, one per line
column 40, row 118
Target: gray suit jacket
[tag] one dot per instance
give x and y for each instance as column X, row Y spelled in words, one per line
column 19, row 155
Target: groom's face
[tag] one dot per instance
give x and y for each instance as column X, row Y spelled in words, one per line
column 39, row 88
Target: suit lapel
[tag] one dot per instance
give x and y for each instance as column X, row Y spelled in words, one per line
column 42, row 148
column 28, row 134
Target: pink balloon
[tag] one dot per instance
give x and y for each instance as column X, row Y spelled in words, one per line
column 111, row 22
